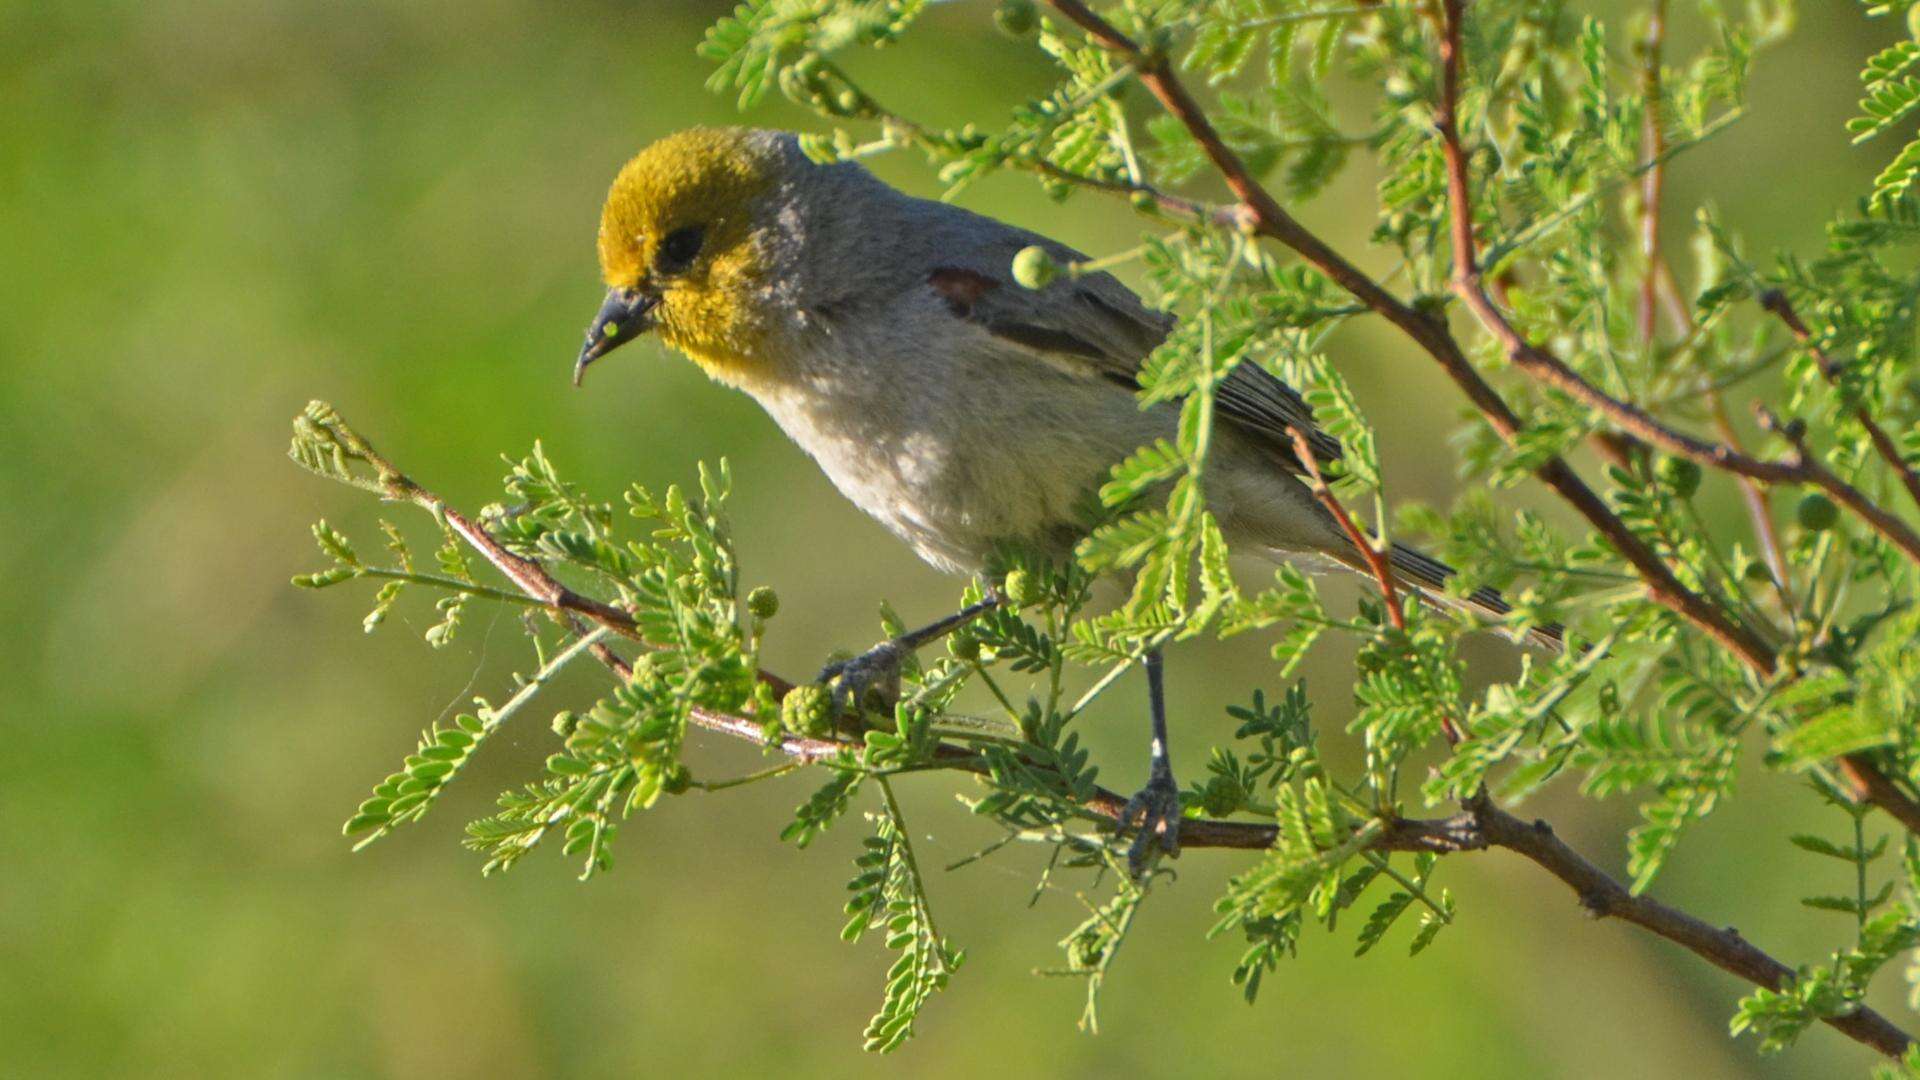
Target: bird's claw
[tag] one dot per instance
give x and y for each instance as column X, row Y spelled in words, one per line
column 877, row 669
column 1157, row 806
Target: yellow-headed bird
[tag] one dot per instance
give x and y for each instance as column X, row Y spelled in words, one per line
column 887, row 336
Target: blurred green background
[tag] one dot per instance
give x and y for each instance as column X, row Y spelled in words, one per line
column 212, row 212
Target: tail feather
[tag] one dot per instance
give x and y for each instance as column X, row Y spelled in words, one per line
column 1428, row 576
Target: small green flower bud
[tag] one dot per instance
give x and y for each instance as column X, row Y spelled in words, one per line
column 1033, row 268
column 676, row 780
column 1016, row 18
column 1817, row 512
column 807, row 710
column 964, row 646
column 848, row 101
column 1757, row 573
column 1021, row 587
column 1679, row 474
column 564, row 724
column 763, row 603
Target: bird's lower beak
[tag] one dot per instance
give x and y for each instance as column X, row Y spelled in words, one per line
column 626, row 315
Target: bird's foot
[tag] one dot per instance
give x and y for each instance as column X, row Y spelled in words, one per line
column 1158, row 808
column 875, row 671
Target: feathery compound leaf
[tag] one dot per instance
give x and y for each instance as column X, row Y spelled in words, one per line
column 443, row 751
column 889, row 894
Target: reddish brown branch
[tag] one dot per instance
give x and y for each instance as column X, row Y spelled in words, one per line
column 1261, row 213
column 1724, row 948
column 1554, row 372
column 1371, row 555
column 1803, row 467
column 1374, row 559
column 1776, row 301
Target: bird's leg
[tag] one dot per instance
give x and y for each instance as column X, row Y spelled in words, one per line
column 879, row 667
column 1157, row 804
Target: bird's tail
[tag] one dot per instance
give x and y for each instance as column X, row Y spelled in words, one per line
column 1427, row 577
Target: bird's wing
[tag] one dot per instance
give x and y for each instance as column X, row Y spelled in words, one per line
column 1096, row 325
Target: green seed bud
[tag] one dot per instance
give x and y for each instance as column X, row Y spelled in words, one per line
column 564, row 724
column 1033, row 268
column 1021, row 588
column 1757, row 573
column 676, row 780
column 964, row 646
column 1016, row 18
column 807, row 710
column 763, row 603
column 848, row 101
column 1679, row 474
column 1817, row 512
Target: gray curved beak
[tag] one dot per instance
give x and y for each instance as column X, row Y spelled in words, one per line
column 626, row 315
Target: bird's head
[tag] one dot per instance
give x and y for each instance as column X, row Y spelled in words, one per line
column 683, row 250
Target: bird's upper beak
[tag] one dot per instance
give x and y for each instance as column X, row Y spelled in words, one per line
column 626, row 315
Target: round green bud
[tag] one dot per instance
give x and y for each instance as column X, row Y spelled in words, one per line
column 1021, row 587
column 847, row 101
column 807, row 710
column 1033, row 268
column 1757, row 573
column 763, row 603
column 645, row 675
column 676, row 780
column 1817, row 512
column 1678, row 474
column 565, row 723
column 964, row 646
column 1016, row 18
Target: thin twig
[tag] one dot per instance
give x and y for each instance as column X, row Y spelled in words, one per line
column 1259, row 212
column 1776, row 301
column 1370, row 553
column 1653, row 145
column 1375, row 559
column 1803, row 467
column 1723, row 947
column 1468, row 285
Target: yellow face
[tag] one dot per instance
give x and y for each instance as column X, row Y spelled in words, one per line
column 677, row 237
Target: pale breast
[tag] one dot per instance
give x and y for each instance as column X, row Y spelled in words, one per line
column 957, row 453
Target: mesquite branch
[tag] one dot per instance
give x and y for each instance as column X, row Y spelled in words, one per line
column 1554, row 372
column 1369, row 552
column 1262, row 214
column 1776, row 301
column 1259, row 212
column 1480, row 826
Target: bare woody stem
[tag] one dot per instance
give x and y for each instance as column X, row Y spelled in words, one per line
column 1653, row 147
column 1370, row 552
column 1375, row 559
column 1776, row 301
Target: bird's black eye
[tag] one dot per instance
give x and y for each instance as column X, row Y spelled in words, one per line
column 677, row 251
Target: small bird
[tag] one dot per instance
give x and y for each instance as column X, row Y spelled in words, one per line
column 886, row 335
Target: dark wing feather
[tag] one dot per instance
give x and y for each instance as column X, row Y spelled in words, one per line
column 1096, row 324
